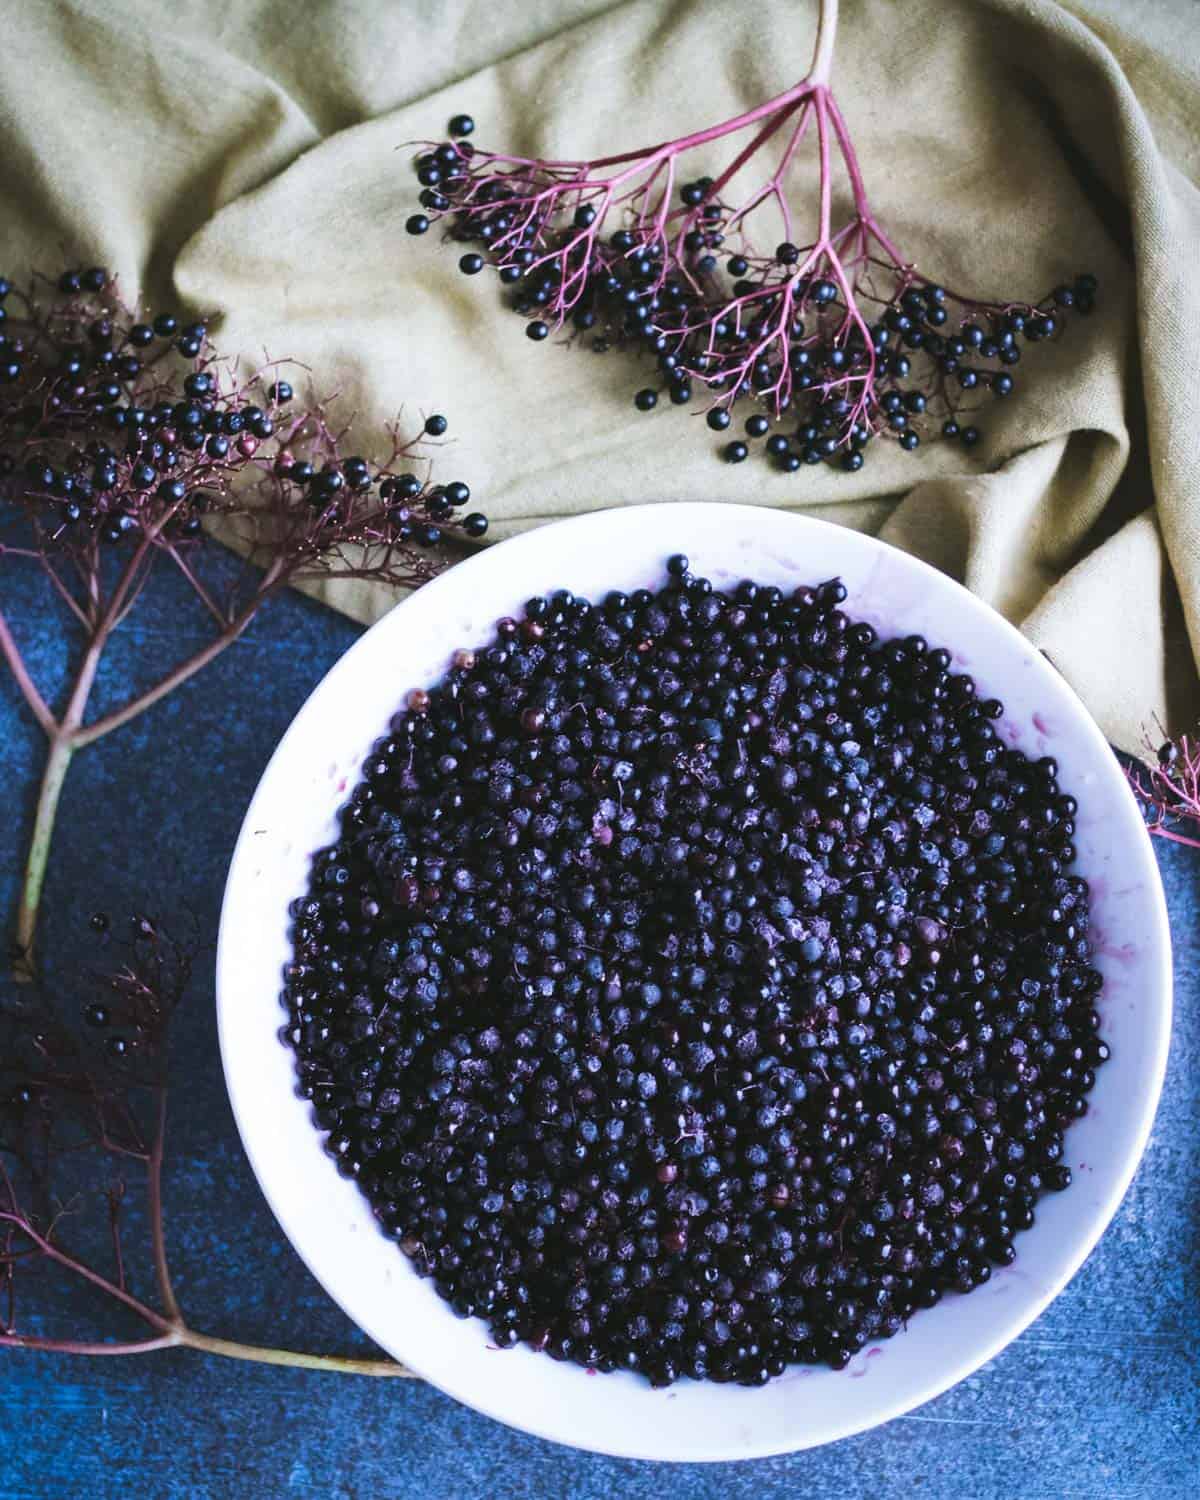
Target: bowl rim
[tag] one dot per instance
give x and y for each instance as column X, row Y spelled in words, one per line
column 1158, row 989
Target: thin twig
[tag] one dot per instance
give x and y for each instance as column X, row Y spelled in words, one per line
column 74, row 1346
column 214, row 609
column 16, row 663
column 63, row 592
column 114, row 1220
column 79, row 1267
column 154, row 1208
column 180, row 674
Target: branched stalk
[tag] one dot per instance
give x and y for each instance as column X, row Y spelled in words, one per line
column 1168, row 790
column 110, row 477
column 69, row 734
column 833, row 332
column 21, row 1236
column 16, row 662
column 185, row 670
column 171, row 1330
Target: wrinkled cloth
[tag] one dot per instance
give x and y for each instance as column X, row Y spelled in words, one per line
column 253, row 158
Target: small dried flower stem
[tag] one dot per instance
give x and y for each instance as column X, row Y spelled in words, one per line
column 171, row 1329
column 1168, row 790
column 154, row 1210
column 23, row 1237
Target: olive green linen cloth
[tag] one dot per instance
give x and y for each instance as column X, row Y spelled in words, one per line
column 252, row 154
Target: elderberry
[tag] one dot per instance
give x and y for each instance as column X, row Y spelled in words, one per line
column 700, row 984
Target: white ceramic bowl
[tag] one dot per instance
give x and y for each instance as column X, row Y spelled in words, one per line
column 328, row 1220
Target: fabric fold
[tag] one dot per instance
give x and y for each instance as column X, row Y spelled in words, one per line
column 256, row 162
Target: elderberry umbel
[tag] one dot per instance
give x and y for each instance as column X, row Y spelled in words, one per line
column 699, row 983
column 115, row 427
column 120, row 435
column 836, row 337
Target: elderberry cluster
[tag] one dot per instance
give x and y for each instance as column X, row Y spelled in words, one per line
column 699, row 983
column 113, row 427
column 778, row 330
column 922, row 372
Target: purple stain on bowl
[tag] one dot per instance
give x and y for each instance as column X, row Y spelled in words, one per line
column 864, row 1369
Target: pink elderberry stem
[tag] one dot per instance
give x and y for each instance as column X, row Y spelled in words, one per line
column 862, row 207
column 1171, row 793
column 798, row 134
column 785, row 162
column 857, row 186
column 782, row 387
column 976, row 304
column 750, row 149
column 663, row 212
column 855, row 317
column 702, row 137
column 871, row 229
column 817, row 76
column 821, row 102
column 1161, row 832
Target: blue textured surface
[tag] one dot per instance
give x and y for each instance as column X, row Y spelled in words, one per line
column 1100, row 1398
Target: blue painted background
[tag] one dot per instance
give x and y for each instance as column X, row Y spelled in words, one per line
column 1100, row 1398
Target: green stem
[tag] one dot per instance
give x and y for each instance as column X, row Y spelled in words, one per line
column 53, row 775
column 68, row 734
column 179, row 1336
column 58, row 760
column 334, row 1363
